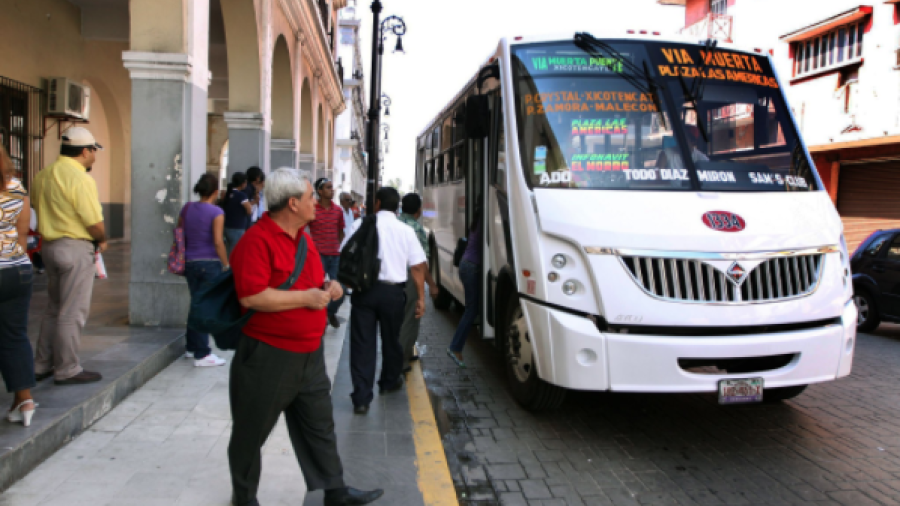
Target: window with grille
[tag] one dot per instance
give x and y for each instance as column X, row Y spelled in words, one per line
column 718, row 7
column 836, row 48
column 21, row 132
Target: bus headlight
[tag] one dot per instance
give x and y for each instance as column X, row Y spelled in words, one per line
column 569, row 287
column 558, row 261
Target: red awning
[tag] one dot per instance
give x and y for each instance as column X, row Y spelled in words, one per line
column 826, row 25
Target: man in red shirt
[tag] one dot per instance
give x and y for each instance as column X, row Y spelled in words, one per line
column 279, row 366
column 327, row 231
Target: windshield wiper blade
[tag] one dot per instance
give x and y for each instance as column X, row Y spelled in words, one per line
column 638, row 77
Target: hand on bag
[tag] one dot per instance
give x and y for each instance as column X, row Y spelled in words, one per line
column 102, row 247
column 319, row 299
column 334, row 289
column 420, row 308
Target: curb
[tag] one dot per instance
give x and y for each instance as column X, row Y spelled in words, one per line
column 21, row 460
column 433, row 477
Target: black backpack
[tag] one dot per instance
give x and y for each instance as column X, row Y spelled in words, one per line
column 359, row 264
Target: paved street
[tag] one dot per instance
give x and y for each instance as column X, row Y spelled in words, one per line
column 838, row 443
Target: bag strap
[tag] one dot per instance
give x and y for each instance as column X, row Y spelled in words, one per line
column 299, row 263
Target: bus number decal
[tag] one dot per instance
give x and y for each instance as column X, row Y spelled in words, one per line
column 724, row 221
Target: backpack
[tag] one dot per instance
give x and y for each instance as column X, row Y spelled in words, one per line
column 359, row 264
column 215, row 308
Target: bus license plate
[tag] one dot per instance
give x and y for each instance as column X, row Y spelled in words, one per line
column 740, row 391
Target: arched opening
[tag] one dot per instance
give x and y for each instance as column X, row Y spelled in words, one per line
column 320, row 144
column 306, row 157
column 282, row 92
column 242, row 42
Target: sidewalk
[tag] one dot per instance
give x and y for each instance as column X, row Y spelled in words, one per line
column 126, row 356
column 166, row 445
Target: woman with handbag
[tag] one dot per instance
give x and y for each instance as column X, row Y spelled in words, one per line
column 469, row 274
column 16, row 277
column 205, row 258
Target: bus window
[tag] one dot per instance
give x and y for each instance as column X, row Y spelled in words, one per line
column 436, row 141
column 459, row 126
column 429, row 173
column 449, row 165
column 459, row 170
column 447, row 133
column 439, row 169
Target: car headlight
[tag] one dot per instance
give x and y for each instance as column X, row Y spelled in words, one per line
column 558, row 261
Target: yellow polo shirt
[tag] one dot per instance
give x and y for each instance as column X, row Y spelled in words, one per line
column 66, row 200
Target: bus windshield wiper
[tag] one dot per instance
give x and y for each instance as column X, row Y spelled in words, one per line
column 698, row 86
column 638, row 77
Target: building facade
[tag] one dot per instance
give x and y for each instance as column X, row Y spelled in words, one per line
column 350, row 126
column 175, row 88
column 839, row 62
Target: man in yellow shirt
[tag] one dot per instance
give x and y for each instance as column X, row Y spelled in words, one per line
column 70, row 220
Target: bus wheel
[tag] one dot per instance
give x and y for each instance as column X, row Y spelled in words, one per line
column 782, row 394
column 533, row 393
column 443, row 299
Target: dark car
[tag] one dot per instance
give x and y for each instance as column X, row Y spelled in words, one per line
column 876, row 279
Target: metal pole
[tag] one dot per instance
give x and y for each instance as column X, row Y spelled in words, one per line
column 374, row 107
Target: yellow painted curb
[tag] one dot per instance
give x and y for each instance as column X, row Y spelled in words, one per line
column 434, row 473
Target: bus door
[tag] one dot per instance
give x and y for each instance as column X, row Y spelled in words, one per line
column 496, row 217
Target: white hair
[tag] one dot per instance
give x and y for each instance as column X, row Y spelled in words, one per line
column 282, row 185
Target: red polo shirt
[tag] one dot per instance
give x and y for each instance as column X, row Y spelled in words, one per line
column 264, row 258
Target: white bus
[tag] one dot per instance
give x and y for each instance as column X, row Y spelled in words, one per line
column 652, row 221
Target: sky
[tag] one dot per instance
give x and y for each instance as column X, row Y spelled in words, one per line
column 447, row 40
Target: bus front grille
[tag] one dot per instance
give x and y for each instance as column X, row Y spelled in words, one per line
column 685, row 280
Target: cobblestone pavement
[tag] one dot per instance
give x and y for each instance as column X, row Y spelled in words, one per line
column 838, row 443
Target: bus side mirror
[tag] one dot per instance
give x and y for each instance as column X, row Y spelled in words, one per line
column 478, row 117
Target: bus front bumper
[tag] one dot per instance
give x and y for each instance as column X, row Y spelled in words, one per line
column 571, row 352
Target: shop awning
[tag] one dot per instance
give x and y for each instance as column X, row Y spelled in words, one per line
column 828, row 24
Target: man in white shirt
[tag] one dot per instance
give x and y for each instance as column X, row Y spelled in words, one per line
column 347, row 206
column 382, row 305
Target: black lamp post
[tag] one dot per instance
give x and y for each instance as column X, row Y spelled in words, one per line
column 380, row 32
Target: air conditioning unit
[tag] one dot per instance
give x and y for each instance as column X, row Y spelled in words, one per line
column 68, row 98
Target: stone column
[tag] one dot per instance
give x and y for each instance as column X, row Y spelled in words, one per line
column 283, row 153
column 168, row 131
column 248, row 142
column 307, row 162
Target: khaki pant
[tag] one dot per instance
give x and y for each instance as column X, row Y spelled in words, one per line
column 70, row 281
column 409, row 332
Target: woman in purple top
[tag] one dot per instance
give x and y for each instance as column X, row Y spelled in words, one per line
column 204, row 255
column 469, row 274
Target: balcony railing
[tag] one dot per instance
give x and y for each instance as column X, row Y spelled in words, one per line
column 712, row 26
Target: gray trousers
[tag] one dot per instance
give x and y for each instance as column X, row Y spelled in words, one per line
column 70, row 282
column 265, row 382
column 409, row 331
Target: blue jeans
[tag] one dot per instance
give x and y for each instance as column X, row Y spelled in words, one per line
column 16, row 356
column 330, row 263
column 468, row 274
column 198, row 273
column 232, row 236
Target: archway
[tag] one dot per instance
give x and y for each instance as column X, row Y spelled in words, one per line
column 306, row 157
column 320, row 144
column 242, row 43
column 283, row 148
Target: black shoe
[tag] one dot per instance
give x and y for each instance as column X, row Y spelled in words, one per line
column 362, row 409
column 393, row 388
column 332, row 319
column 81, row 378
column 349, row 495
column 42, row 377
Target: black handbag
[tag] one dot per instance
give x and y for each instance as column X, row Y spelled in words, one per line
column 216, row 310
column 459, row 251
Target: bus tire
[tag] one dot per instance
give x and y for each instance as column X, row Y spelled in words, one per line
column 530, row 391
column 783, row 393
column 443, row 299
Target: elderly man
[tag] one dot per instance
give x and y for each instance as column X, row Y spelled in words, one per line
column 279, row 365
column 349, row 217
column 71, row 221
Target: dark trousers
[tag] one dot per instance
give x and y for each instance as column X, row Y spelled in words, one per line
column 16, row 356
column 331, row 263
column 198, row 273
column 265, row 382
column 379, row 306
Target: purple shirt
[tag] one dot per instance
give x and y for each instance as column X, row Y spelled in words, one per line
column 198, row 233
column 473, row 247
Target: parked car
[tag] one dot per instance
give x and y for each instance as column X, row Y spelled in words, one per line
column 876, row 279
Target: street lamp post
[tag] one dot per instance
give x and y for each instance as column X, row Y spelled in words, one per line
column 380, row 31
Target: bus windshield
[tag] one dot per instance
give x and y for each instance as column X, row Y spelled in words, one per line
column 626, row 115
